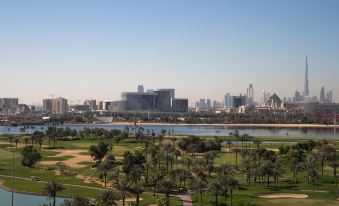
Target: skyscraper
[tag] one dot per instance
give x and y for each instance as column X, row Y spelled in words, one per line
column 322, row 96
column 140, row 88
column 306, row 86
column 329, row 96
column 227, row 100
column 250, row 95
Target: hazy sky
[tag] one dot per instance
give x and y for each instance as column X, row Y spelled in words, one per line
column 82, row 49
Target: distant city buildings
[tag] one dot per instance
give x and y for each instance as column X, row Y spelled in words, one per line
column 9, row 106
column 55, row 106
column 161, row 100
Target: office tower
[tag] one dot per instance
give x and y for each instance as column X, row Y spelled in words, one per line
column 263, row 97
column 164, row 99
column 100, row 105
column 250, row 95
column 238, row 101
column 298, row 98
column 314, row 99
column 179, row 105
column 208, row 104
column 140, row 88
column 47, row 105
column 227, row 100
column 306, row 86
column 92, row 103
column 8, row 103
column 59, row 105
column 202, row 104
column 329, row 96
column 322, row 96
column 161, row 100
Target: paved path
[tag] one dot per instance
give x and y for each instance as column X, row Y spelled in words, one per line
column 186, row 199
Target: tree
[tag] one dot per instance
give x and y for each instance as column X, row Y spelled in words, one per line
column 132, row 160
column 106, row 198
column 30, row 156
column 137, row 190
column 333, row 158
column 166, row 186
column 198, row 186
column 52, row 188
column 76, row 201
column 99, row 151
column 216, row 189
column 123, row 186
column 181, row 174
column 16, row 143
column 105, row 167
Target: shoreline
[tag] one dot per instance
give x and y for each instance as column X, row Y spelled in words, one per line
column 247, row 125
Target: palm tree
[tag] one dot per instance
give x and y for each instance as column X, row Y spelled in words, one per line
column 106, row 198
column 166, row 186
column 52, row 188
column 104, row 168
column 136, row 189
column 334, row 164
column 123, row 186
column 229, row 143
column 198, row 186
column 216, row 190
column 233, row 185
column 16, row 143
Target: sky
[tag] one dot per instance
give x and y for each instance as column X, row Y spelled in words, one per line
column 83, row 49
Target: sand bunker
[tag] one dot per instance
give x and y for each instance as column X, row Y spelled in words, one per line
column 283, row 195
column 131, row 200
column 71, row 162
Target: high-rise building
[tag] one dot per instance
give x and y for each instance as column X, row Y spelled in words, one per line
column 59, row 105
column 306, row 84
column 161, row 100
column 92, row 103
column 47, row 105
column 208, row 104
column 238, row 101
column 322, row 96
column 298, row 98
column 164, row 99
column 250, row 95
column 7, row 103
column 140, row 88
column 263, row 97
column 329, row 96
column 227, row 100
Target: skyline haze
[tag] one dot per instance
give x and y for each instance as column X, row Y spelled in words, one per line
column 203, row 49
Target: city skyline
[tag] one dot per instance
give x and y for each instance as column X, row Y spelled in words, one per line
column 203, row 50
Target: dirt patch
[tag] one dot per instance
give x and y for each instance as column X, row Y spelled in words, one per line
column 283, row 195
column 131, row 200
column 74, row 161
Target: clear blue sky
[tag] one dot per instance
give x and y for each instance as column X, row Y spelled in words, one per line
column 203, row 48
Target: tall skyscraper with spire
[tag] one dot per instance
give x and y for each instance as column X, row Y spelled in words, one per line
column 306, row 86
